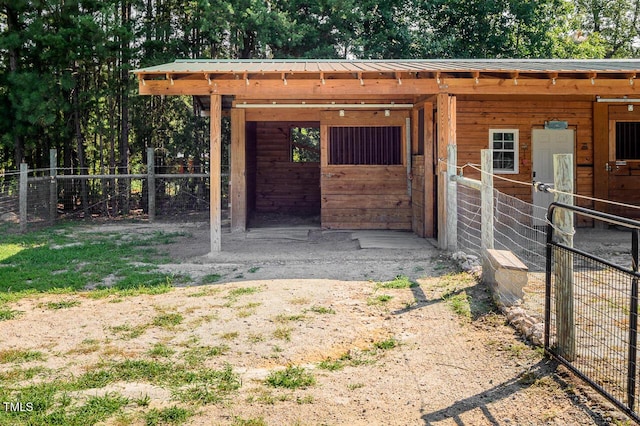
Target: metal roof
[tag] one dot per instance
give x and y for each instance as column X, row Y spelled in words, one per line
column 252, row 66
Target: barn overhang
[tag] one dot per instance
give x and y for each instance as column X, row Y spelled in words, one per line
column 269, row 86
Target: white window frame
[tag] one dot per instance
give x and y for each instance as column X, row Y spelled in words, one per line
column 515, row 150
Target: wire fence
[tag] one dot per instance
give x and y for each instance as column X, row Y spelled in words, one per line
column 52, row 194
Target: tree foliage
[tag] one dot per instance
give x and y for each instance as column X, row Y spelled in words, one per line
column 65, row 65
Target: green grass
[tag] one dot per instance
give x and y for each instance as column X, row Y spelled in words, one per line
column 254, row 421
column 32, row 262
column 459, row 302
column 322, row 310
column 379, row 300
column 8, row 314
column 398, row 282
column 290, row 378
column 9, row 356
column 160, row 351
column 168, row 320
column 198, row 355
column 62, row 304
column 242, row 291
column 211, row 278
column 167, row 416
column 387, row 344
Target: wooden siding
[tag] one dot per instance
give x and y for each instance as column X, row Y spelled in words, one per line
column 476, row 117
column 365, row 197
column 624, row 187
column 417, row 196
column 282, row 185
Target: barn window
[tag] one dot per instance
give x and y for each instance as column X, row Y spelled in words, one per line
column 305, row 144
column 365, row 145
column 504, row 143
column 628, row 140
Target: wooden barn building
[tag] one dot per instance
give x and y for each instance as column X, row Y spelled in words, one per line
column 363, row 143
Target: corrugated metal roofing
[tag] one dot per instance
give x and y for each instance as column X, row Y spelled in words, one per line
column 252, row 66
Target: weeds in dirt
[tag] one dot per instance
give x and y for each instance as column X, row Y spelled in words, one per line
column 387, row 344
column 253, row 269
column 291, row 378
column 242, row 291
column 459, row 302
column 321, row 310
column 257, row 421
column 128, row 331
column 282, row 333
column 160, row 350
column 300, row 301
column 10, row 356
column 198, row 355
column 8, row 314
column 379, row 300
column 167, row 416
column 281, row 318
column 400, row 281
column 62, row 304
column 168, row 320
column 354, row 386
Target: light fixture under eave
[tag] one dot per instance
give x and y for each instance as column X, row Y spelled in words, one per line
column 618, row 100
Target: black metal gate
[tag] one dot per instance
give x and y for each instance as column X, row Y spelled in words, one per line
column 591, row 310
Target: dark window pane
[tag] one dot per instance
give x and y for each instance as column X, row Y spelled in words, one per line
column 627, row 140
column 365, row 145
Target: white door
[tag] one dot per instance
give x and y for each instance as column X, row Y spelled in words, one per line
column 545, row 144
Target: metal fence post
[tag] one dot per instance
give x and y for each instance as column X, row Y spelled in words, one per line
column 633, row 324
column 565, row 327
column 487, row 201
column 53, row 185
column 151, row 184
column 452, row 199
column 24, row 186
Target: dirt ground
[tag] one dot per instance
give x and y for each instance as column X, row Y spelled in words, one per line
column 313, row 301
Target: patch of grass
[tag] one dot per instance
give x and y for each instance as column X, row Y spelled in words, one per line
column 128, row 331
column 160, row 351
column 299, row 301
column 379, row 300
column 168, row 320
column 253, row 269
column 400, row 281
column 308, row 399
column 281, row 318
column 387, row 344
column 242, row 291
column 332, row 365
column 20, row 374
column 230, row 335
column 255, row 338
column 8, row 314
column 282, row 333
column 254, row 421
column 198, row 355
column 173, row 415
column 211, row 278
column 322, row 310
column 459, row 302
column 9, row 356
column 62, row 304
column 354, row 386
column 211, row 386
column 290, row 378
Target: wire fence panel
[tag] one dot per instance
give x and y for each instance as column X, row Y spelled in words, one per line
column 516, row 229
column 469, row 220
column 9, row 197
column 591, row 318
column 179, row 195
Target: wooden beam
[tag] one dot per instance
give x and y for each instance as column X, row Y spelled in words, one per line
column 446, row 133
column 238, row 171
column 215, row 172
column 345, row 88
column 600, row 155
column 429, row 177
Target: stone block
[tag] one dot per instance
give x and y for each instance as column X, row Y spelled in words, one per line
column 506, row 275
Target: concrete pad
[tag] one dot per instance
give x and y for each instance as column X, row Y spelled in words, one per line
column 385, row 239
column 279, row 233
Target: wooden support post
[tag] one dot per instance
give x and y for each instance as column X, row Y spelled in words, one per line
column 563, row 219
column 24, row 186
column 452, row 199
column 429, row 175
column 487, row 201
column 53, row 185
column 215, row 172
column 446, row 136
column 238, row 171
column 601, row 157
column 151, row 184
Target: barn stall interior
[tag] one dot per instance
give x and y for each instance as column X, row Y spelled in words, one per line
column 363, row 144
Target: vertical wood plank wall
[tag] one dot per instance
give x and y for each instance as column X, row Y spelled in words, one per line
column 623, row 184
column 281, row 185
column 417, row 195
column 476, row 117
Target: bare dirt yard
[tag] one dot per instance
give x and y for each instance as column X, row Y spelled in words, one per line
column 304, row 329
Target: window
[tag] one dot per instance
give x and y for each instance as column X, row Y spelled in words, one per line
column 627, row 140
column 504, row 143
column 305, row 144
column 365, row 145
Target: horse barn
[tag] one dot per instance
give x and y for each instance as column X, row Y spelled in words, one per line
column 363, row 143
